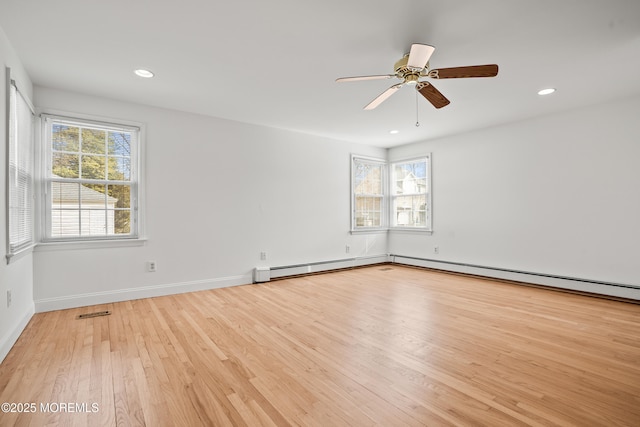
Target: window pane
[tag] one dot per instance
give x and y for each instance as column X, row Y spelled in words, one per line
column 65, row 165
column 122, row 222
column 120, row 144
column 368, row 179
column 65, row 223
column 409, row 178
column 65, row 195
column 93, row 141
column 368, row 211
column 65, row 138
column 93, row 167
column 93, row 196
column 94, row 222
column 119, row 168
column 410, row 211
column 119, row 196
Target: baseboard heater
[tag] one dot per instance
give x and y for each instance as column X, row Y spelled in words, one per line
column 619, row 290
column 265, row 274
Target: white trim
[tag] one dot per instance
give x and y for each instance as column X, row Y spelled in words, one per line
column 369, row 231
column 13, row 257
column 105, row 297
column 99, row 121
column 410, row 230
column 88, row 244
column 7, row 341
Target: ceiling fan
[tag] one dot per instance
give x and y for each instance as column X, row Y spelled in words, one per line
column 415, row 65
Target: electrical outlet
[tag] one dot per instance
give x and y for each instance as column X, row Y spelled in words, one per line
column 436, row 250
column 347, row 249
column 263, row 256
column 8, row 298
column 151, row 266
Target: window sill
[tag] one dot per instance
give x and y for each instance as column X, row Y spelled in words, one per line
column 89, row 244
column 370, row 231
column 13, row 257
column 411, row 230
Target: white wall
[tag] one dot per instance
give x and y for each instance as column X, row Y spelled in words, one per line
column 217, row 194
column 555, row 195
column 16, row 276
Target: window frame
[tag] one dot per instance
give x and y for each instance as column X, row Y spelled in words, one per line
column 355, row 228
column 136, row 182
column 387, row 196
column 427, row 227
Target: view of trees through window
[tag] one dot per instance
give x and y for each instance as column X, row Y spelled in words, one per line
column 90, row 181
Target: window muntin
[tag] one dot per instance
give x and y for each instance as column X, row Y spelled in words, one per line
column 91, row 180
column 368, row 195
column 410, row 196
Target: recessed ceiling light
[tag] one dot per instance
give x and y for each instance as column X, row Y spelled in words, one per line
column 394, row 131
column 144, row 73
column 546, row 91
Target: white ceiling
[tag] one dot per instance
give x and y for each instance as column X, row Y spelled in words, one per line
column 274, row 62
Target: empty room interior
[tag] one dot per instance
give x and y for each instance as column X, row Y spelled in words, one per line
column 320, row 214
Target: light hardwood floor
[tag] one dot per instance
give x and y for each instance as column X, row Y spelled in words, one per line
column 383, row 345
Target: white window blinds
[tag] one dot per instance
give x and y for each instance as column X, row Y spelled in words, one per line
column 20, row 170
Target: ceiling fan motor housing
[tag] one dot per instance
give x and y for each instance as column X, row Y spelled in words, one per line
column 409, row 75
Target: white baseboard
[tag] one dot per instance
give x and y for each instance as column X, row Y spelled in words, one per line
column 618, row 290
column 81, row 300
column 7, row 341
column 95, row 298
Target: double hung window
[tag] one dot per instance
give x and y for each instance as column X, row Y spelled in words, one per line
column 401, row 202
column 410, row 201
column 91, row 180
column 368, row 195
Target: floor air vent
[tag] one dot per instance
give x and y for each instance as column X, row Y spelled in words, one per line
column 386, row 269
column 96, row 314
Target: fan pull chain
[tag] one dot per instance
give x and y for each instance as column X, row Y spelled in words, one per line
column 417, row 119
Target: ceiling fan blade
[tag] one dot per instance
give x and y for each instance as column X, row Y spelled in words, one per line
column 419, row 55
column 432, row 94
column 490, row 70
column 359, row 78
column 383, row 96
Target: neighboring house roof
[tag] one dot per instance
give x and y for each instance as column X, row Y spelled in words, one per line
column 68, row 192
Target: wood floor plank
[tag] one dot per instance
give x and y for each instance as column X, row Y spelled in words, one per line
column 392, row 346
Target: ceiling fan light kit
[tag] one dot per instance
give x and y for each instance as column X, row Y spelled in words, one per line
column 415, row 65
